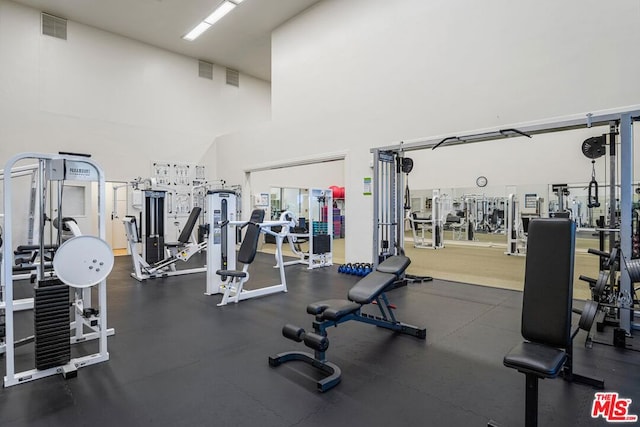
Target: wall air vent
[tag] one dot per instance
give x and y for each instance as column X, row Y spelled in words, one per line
column 233, row 77
column 54, row 26
column 205, row 70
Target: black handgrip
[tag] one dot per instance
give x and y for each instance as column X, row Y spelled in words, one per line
column 594, row 202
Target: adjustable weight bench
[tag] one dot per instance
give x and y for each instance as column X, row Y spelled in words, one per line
column 369, row 290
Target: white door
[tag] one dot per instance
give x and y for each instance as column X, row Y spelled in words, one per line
column 116, row 207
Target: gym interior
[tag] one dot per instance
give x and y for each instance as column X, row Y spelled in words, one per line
column 299, row 213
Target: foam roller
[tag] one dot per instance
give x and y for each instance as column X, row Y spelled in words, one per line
column 316, row 341
column 293, row 332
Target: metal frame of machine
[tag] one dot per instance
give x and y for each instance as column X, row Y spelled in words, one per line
column 388, row 210
column 221, row 248
column 80, row 272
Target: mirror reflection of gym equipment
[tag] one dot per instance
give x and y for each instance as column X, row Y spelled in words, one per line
column 319, row 220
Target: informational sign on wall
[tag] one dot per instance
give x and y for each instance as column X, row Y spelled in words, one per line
column 183, row 184
column 367, row 187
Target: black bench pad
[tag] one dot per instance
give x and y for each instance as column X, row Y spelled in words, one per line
column 395, row 265
column 231, row 273
column 538, row 359
column 371, row 286
column 333, row 309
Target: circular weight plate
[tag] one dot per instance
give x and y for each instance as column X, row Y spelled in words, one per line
column 601, row 283
column 612, row 257
column 633, row 266
column 83, row 261
column 588, row 315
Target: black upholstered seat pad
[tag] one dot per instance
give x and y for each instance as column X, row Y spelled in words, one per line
column 536, row 358
column 371, row 286
column 395, row 265
column 333, row 309
column 232, row 273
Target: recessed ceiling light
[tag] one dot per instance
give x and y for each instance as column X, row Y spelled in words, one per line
column 197, row 31
column 222, row 9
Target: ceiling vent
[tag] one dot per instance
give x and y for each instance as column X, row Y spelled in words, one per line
column 205, row 70
column 54, row 26
column 233, row 77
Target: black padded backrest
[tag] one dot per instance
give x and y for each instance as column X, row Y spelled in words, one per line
column 414, row 215
column 257, row 216
column 188, row 227
column 249, row 246
column 548, row 282
column 370, row 287
column 396, row 264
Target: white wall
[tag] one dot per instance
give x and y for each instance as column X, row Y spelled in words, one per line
column 365, row 73
column 124, row 102
column 318, row 175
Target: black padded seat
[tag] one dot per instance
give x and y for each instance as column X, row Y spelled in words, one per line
column 394, row 265
column 371, row 286
column 538, row 359
column 333, row 309
column 231, row 273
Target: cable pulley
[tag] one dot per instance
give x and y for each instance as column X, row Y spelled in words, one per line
column 593, row 148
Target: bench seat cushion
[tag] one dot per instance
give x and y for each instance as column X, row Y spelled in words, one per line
column 371, row 286
column 332, row 309
column 534, row 358
column 231, row 273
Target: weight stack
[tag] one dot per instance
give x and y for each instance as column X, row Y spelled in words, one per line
column 51, row 324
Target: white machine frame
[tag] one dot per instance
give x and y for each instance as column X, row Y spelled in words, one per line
column 435, row 225
column 90, row 171
column 235, row 292
column 310, row 258
column 142, row 270
column 389, row 184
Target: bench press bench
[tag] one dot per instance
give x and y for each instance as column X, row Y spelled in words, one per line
column 369, row 290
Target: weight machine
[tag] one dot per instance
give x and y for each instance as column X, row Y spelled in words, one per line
column 319, row 237
column 158, row 258
column 81, row 262
column 221, row 249
column 387, row 205
column 435, row 225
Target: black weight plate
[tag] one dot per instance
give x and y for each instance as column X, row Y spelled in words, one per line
column 588, row 315
column 633, row 266
column 601, row 283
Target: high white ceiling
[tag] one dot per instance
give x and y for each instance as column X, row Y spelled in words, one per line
column 241, row 40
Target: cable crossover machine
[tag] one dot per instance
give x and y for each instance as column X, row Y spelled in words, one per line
column 389, row 162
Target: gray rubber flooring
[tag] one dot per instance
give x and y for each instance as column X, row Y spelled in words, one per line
column 179, row 360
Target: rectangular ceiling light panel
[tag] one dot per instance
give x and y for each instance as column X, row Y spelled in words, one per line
column 224, row 8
